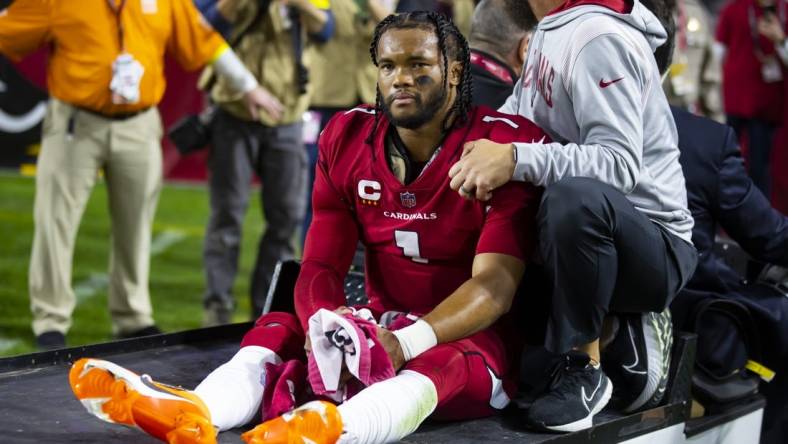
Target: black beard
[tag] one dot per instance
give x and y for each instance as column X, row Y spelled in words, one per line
column 426, row 111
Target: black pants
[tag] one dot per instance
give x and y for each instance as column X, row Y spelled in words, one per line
column 311, row 148
column 239, row 150
column 760, row 135
column 602, row 255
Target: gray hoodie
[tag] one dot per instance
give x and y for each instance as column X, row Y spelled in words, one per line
column 592, row 83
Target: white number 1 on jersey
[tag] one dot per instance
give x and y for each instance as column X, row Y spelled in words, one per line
column 409, row 242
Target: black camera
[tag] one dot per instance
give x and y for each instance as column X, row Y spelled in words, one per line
column 192, row 133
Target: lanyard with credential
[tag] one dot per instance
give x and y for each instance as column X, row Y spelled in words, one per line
column 126, row 71
column 118, row 10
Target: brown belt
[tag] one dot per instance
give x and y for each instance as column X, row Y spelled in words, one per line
column 121, row 116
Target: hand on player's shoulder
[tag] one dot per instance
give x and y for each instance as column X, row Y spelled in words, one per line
column 484, row 166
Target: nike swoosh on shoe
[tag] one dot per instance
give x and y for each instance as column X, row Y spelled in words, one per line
column 635, row 350
column 586, row 400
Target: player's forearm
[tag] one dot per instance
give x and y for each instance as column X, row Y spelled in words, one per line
column 229, row 66
column 318, row 286
column 476, row 305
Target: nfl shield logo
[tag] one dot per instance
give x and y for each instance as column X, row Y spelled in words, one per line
column 408, row 199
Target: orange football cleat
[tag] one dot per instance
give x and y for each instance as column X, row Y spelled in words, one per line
column 114, row 394
column 315, row 422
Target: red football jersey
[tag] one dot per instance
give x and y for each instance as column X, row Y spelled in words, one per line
column 420, row 238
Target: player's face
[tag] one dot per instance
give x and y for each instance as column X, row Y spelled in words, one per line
column 410, row 77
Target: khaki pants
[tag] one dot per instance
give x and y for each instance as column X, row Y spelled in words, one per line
column 129, row 152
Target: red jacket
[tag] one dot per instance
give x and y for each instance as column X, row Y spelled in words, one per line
column 745, row 93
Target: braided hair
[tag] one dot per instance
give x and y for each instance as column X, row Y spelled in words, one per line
column 452, row 46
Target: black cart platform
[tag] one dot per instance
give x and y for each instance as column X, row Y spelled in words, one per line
column 37, row 406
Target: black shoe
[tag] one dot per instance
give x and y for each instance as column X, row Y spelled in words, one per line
column 578, row 392
column 147, row 331
column 50, row 340
column 638, row 360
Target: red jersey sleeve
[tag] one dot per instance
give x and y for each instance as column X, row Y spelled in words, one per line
column 509, row 226
column 330, row 242
column 510, row 221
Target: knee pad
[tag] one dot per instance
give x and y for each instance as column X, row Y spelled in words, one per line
column 445, row 365
column 279, row 332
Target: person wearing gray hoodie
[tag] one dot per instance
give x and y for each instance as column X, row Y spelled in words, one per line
column 614, row 226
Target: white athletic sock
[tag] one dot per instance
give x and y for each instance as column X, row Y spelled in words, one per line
column 234, row 390
column 389, row 410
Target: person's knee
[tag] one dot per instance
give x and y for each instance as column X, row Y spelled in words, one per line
column 573, row 194
column 279, row 332
column 295, row 208
column 571, row 203
column 222, row 239
column 228, row 208
column 285, row 215
column 274, row 318
column 445, row 365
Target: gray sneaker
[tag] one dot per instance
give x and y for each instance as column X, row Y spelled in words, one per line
column 659, row 344
column 216, row 314
column 638, row 360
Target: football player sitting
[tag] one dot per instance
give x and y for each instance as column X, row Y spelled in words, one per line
column 448, row 265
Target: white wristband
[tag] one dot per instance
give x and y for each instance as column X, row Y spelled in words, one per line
column 230, row 66
column 416, row 338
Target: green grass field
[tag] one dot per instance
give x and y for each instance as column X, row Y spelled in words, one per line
column 176, row 278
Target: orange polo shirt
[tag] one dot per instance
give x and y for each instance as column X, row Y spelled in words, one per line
column 84, row 38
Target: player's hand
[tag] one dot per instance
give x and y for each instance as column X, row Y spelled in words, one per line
column 342, row 310
column 391, row 344
column 770, row 27
column 483, row 167
column 260, row 98
column 344, row 376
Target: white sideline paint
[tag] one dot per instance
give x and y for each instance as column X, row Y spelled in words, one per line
column 97, row 282
column 8, row 344
column 165, row 240
column 87, row 288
